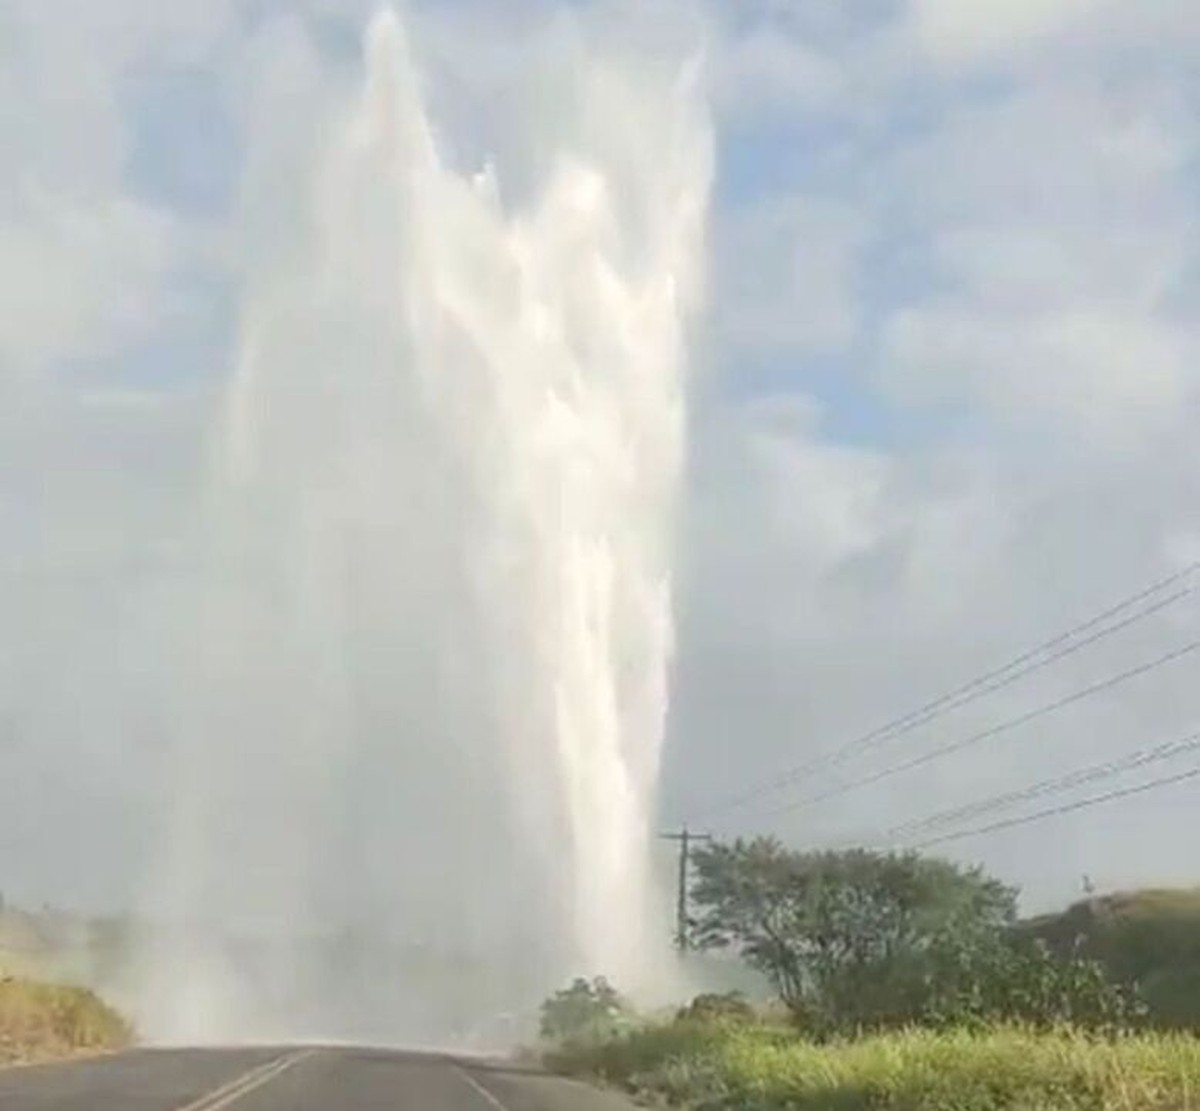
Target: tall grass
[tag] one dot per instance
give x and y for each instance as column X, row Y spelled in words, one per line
column 763, row 1069
column 48, row 1021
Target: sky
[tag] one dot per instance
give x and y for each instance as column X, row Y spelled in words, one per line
column 941, row 393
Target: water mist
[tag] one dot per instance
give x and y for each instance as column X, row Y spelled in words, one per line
column 428, row 649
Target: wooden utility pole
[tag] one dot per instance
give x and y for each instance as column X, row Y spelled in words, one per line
column 686, row 839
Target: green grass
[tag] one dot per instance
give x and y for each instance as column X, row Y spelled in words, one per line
column 769, row 1069
column 50, row 1021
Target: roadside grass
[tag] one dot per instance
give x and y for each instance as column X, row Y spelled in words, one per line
column 755, row 1068
column 41, row 1022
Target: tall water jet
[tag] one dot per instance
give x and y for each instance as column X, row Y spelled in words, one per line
column 432, row 622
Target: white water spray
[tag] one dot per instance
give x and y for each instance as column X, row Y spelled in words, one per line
column 434, row 622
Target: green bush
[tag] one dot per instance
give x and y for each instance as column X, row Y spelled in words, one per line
column 1021, row 981
column 588, row 1010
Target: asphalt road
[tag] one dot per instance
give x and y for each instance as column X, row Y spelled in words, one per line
column 324, row 1079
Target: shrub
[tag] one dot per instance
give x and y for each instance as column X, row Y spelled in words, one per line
column 587, row 1010
column 730, row 1006
column 1021, row 981
column 1149, row 937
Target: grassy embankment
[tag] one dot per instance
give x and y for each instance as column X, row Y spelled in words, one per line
column 40, row 1022
column 759, row 1068
column 41, row 1016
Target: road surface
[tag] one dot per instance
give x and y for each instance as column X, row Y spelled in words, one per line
column 323, row 1079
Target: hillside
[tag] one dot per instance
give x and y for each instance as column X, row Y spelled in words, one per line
column 1150, row 936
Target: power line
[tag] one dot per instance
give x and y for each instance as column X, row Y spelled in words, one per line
column 992, row 731
column 1013, row 677
column 1071, row 780
column 1068, row 808
column 1017, row 668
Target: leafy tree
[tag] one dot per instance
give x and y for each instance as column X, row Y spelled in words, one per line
column 848, row 939
column 585, row 1010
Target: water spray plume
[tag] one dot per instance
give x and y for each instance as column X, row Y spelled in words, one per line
column 432, row 626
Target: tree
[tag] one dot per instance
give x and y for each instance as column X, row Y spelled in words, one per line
column 848, row 939
column 585, row 1010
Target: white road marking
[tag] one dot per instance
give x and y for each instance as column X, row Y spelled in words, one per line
column 256, row 1078
column 492, row 1101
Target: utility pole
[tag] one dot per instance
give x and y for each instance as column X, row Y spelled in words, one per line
column 686, row 839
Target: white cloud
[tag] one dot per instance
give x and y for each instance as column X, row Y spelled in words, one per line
column 1096, row 370
column 1060, row 231
column 958, row 36
column 778, row 451
column 784, row 275
column 970, row 31
column 1058, row 152
column 82, row 263
column 1024, row 267
column 766, row 70
column 79, row 279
